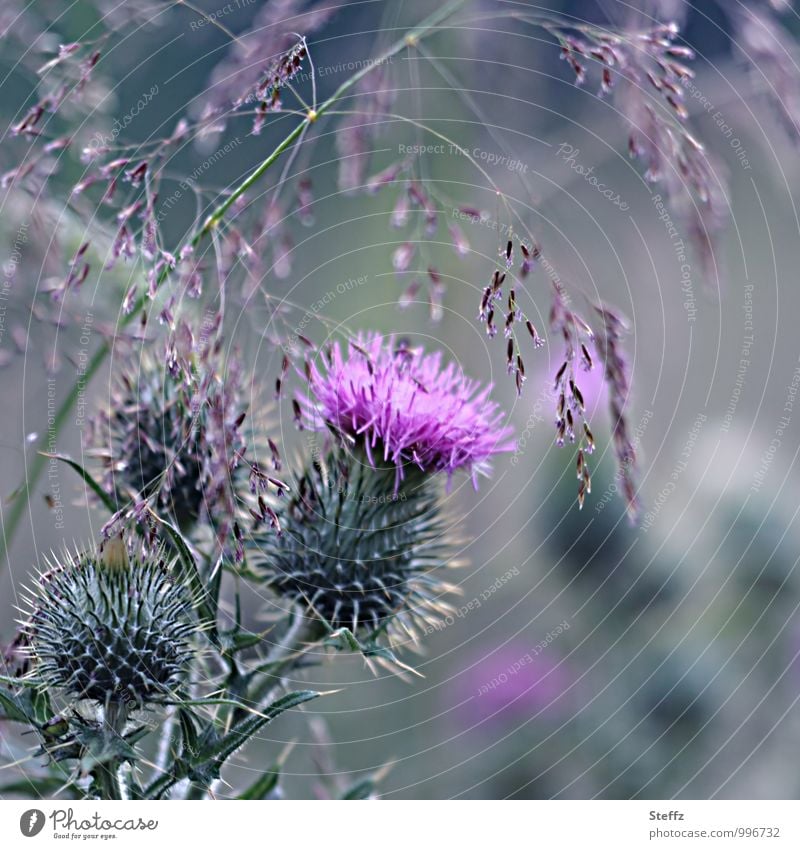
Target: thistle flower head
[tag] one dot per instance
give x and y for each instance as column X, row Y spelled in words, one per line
column 406, row 407
column 356, row 552
column 110, row 629
column 173, row 430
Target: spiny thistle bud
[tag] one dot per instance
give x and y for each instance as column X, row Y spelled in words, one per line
column 356, row 551
column 115, row 630
column 173, row 430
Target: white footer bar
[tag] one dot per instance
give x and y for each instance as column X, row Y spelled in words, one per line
column 389, row 824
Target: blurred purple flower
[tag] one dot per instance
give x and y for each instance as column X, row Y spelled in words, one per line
column 514, row 684
column 405, row 401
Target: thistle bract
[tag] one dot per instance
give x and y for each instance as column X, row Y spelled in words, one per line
column 406, row 407
column 112, row 633
column 356, row 551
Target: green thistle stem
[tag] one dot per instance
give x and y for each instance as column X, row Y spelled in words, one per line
column 35, row 468
column 107, row 774
column 280, row 661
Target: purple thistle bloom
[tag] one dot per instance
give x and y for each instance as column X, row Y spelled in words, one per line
column 512, row 684
column 408, row 404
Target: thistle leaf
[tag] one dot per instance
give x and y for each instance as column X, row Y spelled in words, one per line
column 31, row 706
column 268, row 782
column 214, row 750
column 14, row 708
column 107, row 500
column 263, row 786
column 101, row 748
column 40, row 788
column 189, row 734
column 360, row 790
column 223, row 748
column 21, row 682
column 191, row 575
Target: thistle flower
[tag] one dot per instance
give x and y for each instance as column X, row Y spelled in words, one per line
column 173, row 430
column 357, row 552
column 405, row 407
column 110, row 629
column 512, row 684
